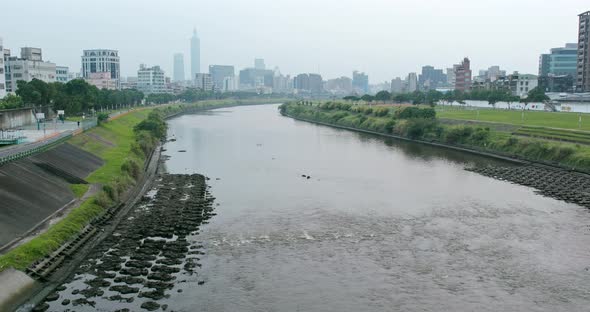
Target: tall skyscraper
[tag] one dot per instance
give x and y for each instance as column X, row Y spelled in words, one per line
column 102, row 61
column 178, row 67
column 583, row 80
column 195, row 55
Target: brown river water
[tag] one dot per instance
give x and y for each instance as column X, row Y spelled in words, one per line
column 379, row 225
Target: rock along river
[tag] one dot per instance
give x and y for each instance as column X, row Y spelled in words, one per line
column 312, row 218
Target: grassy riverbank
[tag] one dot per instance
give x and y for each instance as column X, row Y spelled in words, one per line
column 422, row 124
column 517, row 117
column 124, row 144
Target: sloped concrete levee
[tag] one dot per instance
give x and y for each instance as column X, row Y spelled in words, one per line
column 34, row 188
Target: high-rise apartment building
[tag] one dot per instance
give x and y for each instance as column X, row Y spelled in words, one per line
column 2, row 74
column 219, row 73
column 102, row 61
column 195, row 55
column 397, row 85
column 560, row 61
column 360, row 82
column 151, row 80
column 178, row 67
column 462, row 74
column 412, row 82
column 259, row 64
column 583, row 74
column 204, row 82
column 252, row 78
column 431, row 78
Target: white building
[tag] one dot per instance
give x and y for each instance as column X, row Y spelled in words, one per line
column 28, row 67
column 230, row 84
column 2, row 76
column 151, row 80
column 62, row 74
column 204, row 82
column 524, row 84
column 412, row 82
column 102, row 61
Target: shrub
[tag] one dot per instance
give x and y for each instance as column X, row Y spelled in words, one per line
column 415, row 112
column 131, row 167
column 381, row 111
column 102, row 117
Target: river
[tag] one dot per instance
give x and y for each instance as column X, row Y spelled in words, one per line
column 379, row 225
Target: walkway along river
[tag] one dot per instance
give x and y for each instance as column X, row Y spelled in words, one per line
column 305, row 217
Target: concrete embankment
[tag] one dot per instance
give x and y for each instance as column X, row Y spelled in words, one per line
column 34, row 188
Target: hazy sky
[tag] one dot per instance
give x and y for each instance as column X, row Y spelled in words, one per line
column 385, row 38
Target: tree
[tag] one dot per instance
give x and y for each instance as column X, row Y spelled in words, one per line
column 367, row 98
column 11, row 101
column 383, row 96
column 537, row 95
column 509, row 99
column 352, row 98
column 432, row 97
column 493, row 98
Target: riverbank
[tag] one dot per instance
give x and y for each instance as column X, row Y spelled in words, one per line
column 125, row 145
column 399, row 123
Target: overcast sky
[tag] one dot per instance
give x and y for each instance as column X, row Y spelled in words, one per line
column 385, row 38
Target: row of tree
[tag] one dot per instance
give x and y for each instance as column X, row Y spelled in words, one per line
column 78, row 96
column 433, row 97
column 74, row 97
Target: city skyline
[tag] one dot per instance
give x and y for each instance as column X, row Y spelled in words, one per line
column 376, row 47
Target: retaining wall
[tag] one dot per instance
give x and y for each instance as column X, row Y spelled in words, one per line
column 14, row 118
column 30, row 193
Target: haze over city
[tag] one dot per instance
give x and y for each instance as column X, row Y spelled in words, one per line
column 383, row 38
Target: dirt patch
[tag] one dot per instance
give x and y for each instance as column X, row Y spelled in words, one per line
column 101, row 139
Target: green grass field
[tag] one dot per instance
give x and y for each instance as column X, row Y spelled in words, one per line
column 531, row 118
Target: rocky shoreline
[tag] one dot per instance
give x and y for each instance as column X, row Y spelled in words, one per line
column 571, row 187
column 137, row 265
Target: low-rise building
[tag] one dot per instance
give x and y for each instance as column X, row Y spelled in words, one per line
column 102, row 80
column 151, row 80
column 62, row 74
column 29, row 66
column 517, row 84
